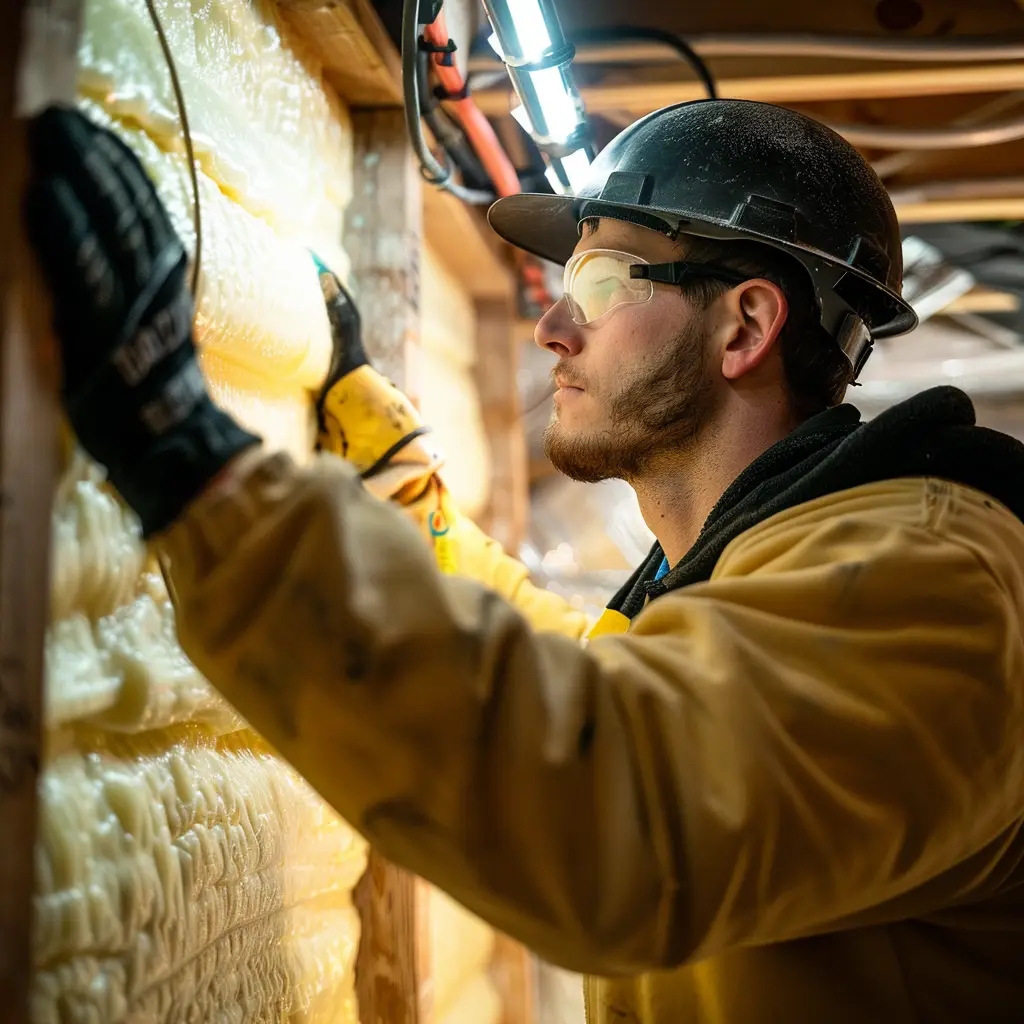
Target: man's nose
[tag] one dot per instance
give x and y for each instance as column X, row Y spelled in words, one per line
column 558, row 332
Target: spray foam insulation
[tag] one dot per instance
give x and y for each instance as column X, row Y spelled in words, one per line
column 186, row 873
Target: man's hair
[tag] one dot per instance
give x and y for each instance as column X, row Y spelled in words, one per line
column 817, row 372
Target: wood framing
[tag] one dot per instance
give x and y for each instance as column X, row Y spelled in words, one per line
column 719, row 49
column 984, row 300
column 514, row 972
column 464, row 242
column 358, row 56
column 40, row 38
column 497, row 364
column 961, row 209
column 382, row 235
column 924, row 18
column 388, row 972
column 642, row 97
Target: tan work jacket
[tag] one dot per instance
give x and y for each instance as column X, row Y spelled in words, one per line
column 791, row 794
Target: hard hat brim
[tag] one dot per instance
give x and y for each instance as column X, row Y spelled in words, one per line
column 543, row 225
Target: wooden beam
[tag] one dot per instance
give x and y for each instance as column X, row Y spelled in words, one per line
column 466, row 245
column 513, row 970
column 388, row 969
column 961, row 209
column 347, row 37
column 383, row 227
column 382, row 234
column 722, row 50
column 496, row 371
column 897, row 163
column 981, row 164
column 40, row 37
column 984, row 300
column 643, row 97
column 924, row 18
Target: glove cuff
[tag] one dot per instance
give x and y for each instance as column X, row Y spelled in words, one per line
column 178, row 467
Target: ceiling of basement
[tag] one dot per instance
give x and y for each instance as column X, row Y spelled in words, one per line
column 623, row 81
column 967, row 201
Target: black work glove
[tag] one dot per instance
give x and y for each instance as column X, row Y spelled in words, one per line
column 132, row 386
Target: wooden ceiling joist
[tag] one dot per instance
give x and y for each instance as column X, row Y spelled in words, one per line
column 642, row 97
column 984, row 300
column 939, row 211
column 920, row 19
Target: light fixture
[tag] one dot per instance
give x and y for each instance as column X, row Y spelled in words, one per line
column 567, row 174
column 528, row 38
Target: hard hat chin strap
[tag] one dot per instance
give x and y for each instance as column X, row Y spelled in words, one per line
column 855, row 342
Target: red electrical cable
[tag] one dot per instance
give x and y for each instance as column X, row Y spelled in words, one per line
column 471, row 119
column 481, row 136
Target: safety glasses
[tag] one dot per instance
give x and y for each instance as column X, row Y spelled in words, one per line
column 596, row 281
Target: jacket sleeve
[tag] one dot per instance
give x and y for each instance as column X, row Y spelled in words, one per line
column 827, row 728
column 373, row 426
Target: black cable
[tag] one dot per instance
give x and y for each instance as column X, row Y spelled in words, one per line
column 654, row 35
column 446, row 131
column 432, row 171
column 179, row 96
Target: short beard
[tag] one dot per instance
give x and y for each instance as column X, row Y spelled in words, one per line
column 660, row 409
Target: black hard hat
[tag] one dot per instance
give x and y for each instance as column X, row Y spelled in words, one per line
column 737, row 169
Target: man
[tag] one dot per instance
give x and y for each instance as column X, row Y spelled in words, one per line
column 784, row 781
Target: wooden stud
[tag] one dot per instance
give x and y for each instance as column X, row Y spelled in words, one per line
column 513, row 970
column 497, row 364
column 388, row 969
column 382, row 235
column 48, row 34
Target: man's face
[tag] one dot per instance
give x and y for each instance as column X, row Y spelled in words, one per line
column 635, row 384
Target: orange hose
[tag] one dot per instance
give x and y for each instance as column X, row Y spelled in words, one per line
column 471, row 119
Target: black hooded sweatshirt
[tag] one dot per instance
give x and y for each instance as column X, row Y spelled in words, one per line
column 932, row 434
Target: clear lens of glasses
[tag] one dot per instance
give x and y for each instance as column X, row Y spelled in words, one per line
column 597, row 281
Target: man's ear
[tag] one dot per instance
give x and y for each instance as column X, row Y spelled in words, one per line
column 755, row 313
